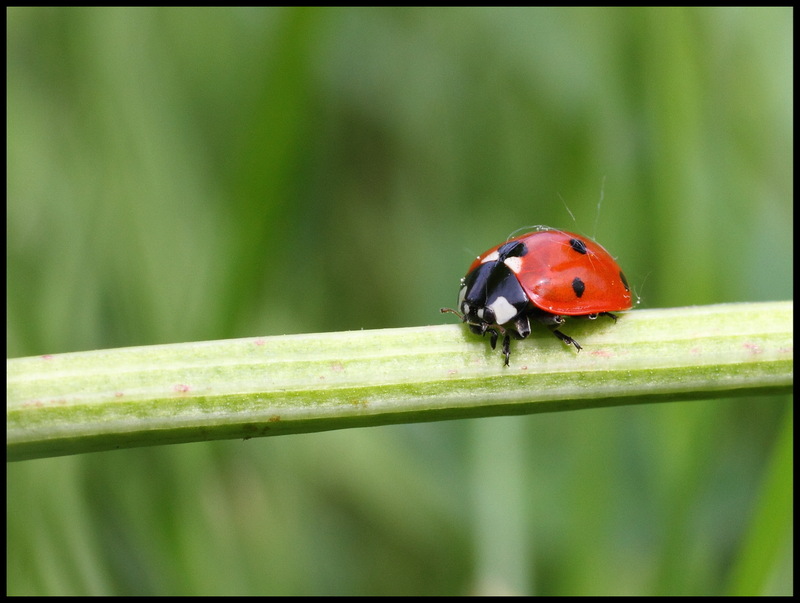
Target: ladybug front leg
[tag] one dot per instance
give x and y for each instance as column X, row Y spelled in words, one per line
column 522, row 326
column 493, row 340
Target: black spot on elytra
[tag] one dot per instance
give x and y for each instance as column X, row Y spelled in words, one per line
column 578, row 286
column 578, row 246
column 515, row 249
column 624, row 281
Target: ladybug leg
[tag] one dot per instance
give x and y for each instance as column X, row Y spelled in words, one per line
column 507, row 347
column 609, row 314
column 494, row 332
column 565, row 338
column 522, row 326
column 493, row 340
column 553, row 321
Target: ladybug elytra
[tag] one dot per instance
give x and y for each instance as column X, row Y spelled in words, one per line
column 543, row 276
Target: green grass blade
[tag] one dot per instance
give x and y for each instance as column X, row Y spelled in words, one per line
column 88, row 401
column 770, row 531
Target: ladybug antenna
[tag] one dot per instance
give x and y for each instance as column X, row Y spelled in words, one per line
column 569, row 211
column 641, row 287
column 599, row 203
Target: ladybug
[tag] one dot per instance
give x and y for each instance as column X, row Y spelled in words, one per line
column 543, row 275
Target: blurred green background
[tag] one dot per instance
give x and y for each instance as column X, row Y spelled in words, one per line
column 193, row 174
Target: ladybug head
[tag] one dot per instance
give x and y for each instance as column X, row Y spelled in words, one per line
column 490, row 295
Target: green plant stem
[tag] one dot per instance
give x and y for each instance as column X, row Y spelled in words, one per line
column 107, row 399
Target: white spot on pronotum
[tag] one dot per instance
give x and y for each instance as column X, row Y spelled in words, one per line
column 492, row 257
column 514, row 264
column 503, row 310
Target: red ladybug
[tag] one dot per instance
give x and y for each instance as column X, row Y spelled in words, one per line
column 545, row 276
